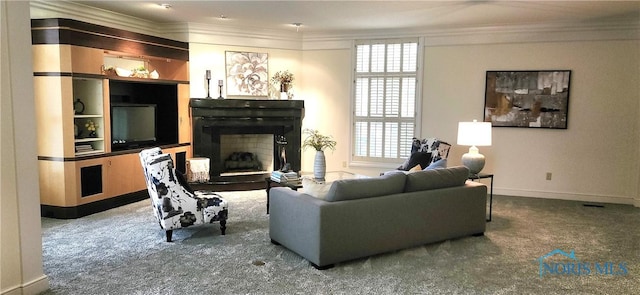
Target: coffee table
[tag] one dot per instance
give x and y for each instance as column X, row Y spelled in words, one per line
column 330, row 176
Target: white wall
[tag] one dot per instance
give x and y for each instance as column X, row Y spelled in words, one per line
column 327, row 84
column 595, row 159
column 203, row 56
column 21, row 245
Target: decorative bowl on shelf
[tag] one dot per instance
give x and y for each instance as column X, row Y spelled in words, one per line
column 154, row 75
column 123, row 72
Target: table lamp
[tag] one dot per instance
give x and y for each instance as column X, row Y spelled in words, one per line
column 474, row 134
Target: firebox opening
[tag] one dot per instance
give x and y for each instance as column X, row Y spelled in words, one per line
column 246, row 153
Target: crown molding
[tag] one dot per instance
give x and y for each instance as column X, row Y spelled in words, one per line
column 487, row 35
column 283, row 39
column 236, row 36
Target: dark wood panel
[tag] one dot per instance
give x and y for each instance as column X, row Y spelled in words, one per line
column 73, row 32
column 91, row 208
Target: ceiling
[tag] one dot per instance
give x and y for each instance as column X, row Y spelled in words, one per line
column 335, row 17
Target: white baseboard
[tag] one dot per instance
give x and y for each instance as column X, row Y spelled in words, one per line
column 568, row 196
column 36, row 286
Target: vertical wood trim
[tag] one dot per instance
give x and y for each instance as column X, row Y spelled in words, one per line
column 184, row 118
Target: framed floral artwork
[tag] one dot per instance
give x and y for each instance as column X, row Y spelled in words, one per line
column 247, row 73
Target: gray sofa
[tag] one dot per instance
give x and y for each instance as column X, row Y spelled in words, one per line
column 363, row 217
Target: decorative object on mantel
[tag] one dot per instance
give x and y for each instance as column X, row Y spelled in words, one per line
column 207, row 76
column 220, row 82
column 319, row 142
column 474, row 134
column 247, row 73
column 285, row 79
column 281, row 141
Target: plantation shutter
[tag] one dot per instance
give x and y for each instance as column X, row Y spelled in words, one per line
column 384, row 99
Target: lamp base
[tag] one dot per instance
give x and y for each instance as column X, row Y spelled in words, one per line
column 473, row 161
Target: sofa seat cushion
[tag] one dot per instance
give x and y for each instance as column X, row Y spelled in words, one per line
column 436, row 178
column 359, row 188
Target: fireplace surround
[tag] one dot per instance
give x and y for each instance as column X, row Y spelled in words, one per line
column 212, row 118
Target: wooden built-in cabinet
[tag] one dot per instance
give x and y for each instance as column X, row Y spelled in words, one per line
column 80, row 174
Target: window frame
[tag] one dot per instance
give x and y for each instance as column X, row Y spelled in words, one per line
column 382, row 161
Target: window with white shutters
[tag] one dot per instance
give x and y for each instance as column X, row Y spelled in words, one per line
column 384, row 99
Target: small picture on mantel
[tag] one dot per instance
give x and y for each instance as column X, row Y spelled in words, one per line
column 247, row 73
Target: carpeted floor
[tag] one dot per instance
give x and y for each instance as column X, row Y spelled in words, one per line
column 122, row 251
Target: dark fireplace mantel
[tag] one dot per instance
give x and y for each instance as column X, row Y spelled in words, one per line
column 214, row 117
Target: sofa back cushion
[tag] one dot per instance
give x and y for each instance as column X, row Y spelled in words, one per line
column 359, row 188
column 437, row 178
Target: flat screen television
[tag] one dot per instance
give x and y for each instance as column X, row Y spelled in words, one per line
column 133, row 126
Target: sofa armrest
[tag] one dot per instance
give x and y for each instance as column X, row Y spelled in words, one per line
column 294, row 221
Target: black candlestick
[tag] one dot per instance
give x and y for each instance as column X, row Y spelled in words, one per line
column 220, row 97
column 208, row 80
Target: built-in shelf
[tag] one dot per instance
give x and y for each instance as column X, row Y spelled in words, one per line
column 87, row 116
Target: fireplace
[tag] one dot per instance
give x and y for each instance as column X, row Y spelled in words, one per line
column 234, row 149
column 213, row 118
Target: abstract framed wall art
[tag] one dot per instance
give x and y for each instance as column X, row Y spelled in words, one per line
column 247, row 73
column 529, row 99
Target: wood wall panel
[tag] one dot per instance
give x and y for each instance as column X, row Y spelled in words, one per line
column 106, row 113
column 56, row 183
column 184, row 118
column 73, row 32
column 87, row 60
column 177, row 70
column 51, row 58
column 54, row 113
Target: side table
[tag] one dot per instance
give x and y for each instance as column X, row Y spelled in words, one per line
column 481, row 175
column 271, row 183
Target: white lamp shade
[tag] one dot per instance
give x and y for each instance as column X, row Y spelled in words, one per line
column 474, row 133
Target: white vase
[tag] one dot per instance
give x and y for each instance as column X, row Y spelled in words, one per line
column 319, row 166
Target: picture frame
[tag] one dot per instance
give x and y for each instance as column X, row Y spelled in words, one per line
column 247, row 73
column 527, row 99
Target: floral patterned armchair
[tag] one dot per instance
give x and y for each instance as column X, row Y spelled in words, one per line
column 175, row 204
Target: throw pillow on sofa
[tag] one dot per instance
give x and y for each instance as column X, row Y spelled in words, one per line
column 439, row 164
column 314, row 189
column 418, row 158
column 438, row 148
